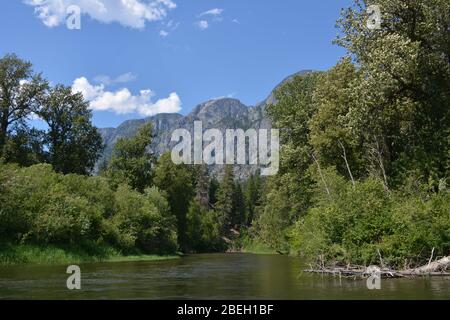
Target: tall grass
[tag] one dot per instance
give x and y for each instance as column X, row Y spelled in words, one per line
column 32, row 254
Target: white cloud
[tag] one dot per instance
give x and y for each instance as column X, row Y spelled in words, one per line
column 89, row 91
column 212, row 12
column 168, row 27
column 129, row 13
column 213, row 15
column 123, row 78
column 163, row 33
column 123, row 101
column 203, row 24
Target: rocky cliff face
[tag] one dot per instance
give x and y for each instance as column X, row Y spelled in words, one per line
column 218, row 114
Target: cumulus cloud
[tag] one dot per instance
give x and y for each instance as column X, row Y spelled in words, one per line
column 129, row 13
column 123, row 101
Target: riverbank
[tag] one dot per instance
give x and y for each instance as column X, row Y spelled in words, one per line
column 257, row 248
column 52, row 255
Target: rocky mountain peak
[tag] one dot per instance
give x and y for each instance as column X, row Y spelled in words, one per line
column 221, row 113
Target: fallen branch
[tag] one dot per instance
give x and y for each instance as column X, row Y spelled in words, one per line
column 439, row 266
column 434, row 269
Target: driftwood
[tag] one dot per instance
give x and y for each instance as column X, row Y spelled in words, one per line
column 435, row 269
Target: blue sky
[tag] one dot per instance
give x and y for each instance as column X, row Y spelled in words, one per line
column 170, row 55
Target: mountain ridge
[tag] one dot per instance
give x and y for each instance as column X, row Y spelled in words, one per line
column 222, row 113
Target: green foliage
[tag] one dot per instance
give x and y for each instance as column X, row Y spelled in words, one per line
column 288, row 195
column 239, row 209
column 331, row 133
column 402, row 95
column 203, row 230
column 74, row 144
column 71, row 144
column 177, row 183
column 131, row 162
column 21, row 93
column 274, row 218
column 230, row 205
column 42, row 207
column 361, row 223
column 252, row 197
column 143, row 221
column 25, row 147
column 364, row 161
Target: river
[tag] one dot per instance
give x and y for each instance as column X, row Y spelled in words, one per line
column 211, row 276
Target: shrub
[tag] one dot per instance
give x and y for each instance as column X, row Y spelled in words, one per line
column 41, row 207
column 364, row 224
column 203, row 230
column 140, row 224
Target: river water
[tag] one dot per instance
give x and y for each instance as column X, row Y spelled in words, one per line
column 212, row 276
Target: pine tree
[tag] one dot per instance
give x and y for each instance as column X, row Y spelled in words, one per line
column 252, row 197
column 213, row 190
column 224, row 206
column 238, row 207
column 202, row 188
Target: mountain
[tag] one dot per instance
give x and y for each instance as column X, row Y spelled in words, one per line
column 220, row 114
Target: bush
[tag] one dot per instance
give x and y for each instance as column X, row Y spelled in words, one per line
column 203, row 230
column 23, row 195
column 41, row 207
column 140, row 224
column 360, row 224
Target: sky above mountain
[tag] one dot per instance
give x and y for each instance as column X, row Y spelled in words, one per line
column 137, row 58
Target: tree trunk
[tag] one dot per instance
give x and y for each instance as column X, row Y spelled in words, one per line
column 433, row 269
column 437, row 266
column 346, row 162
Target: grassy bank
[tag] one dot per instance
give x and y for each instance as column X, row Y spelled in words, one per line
column 257, row 248
column 29, row 254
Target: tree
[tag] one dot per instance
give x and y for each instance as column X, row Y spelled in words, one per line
column 225, row 197
column 143, row 221
column 239, row 209
column 289, row 194
column 203, row 230
column 331, row 133
column 21, row 91
column 176, row 182
column 202, row 187
column 252, row 197
column 274, row 217
column 25, row 147
column 293, row 111
column 214, row 188
column 131, row 161
column 402, row 97
column 74, row 144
